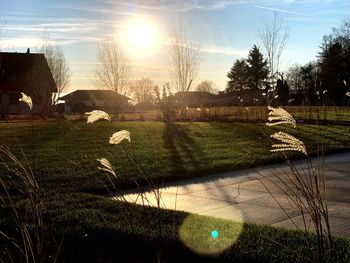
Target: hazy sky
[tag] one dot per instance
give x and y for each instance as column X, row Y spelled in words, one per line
column 225, row 30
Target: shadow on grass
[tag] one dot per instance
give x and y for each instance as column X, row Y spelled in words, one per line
column 184, row 151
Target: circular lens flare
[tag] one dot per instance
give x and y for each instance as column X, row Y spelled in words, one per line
column 202, row 235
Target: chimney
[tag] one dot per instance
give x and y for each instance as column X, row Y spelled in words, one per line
column 28, row 51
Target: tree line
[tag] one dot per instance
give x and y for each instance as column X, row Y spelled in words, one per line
column 325, row 81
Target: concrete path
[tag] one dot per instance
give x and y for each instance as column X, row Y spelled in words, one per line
column 241, row 195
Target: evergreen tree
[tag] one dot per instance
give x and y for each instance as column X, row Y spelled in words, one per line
column 333, row 72
column 257, row 69
column 237, row 76
column 282, row 88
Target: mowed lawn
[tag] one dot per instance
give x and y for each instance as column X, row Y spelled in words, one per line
column 63, row 154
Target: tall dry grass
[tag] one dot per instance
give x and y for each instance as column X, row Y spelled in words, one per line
column 306, row 188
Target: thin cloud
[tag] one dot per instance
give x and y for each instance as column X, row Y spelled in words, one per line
column 98, row 10
column 224, row 51
column 53, row 27
column 176, row 5
column 280, row 10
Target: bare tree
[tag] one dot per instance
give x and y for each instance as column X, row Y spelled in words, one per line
column 184, row 60
column 143, row 90
column 58, row 65
column 294, row 78
column 208, row 86
column 113, row 70
column 274, row 38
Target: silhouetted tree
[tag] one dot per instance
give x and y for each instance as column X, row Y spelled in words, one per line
column 207, row 85
column 184, row 60
column 237, row 76
column 294, row 79
column 142, row 90
column 274, row 37
column 57, row 63
column 113, row 69
column 333, row 68
column 282, row 89
column 257, row 69
column 310, row 78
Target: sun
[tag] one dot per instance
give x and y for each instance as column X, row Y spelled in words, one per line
column 141, row 35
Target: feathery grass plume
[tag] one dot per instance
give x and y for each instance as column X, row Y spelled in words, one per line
column 199, row 109
column 96, row 115
column 347, row 94
column 117, row 137
column 280, row 116
column 106, row 166
column 289, row 143
column 27, row 100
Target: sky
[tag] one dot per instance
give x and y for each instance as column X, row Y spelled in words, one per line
column 224, row 29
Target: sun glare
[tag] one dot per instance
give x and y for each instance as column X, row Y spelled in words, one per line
column 140, row 35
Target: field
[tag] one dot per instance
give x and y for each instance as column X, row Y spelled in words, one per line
column 250, row 113
column 63, row 154
column 93, row 227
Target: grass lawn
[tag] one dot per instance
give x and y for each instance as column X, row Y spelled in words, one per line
column 95, row 228
column 63, row 154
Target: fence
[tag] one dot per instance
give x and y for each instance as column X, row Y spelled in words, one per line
column 255, row 113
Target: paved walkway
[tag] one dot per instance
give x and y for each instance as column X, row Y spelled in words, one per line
column 241, row 195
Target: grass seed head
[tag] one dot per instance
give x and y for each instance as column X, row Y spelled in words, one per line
column 279, row 116
column 96, row 115
column 119, row 136
column 27, row 100
column 289, row 143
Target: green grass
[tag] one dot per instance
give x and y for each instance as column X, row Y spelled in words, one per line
column 95, row 230
column 63, row 154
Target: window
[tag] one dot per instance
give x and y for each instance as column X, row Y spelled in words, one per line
column 14, row 97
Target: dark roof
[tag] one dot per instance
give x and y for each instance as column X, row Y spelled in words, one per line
column 22, row 71
column 93, row 95
column 192, row 94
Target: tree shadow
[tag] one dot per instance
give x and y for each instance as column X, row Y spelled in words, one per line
column 185, row 153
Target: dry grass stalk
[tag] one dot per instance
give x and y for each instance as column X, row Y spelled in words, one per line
column 30, row 224
column 305, row 188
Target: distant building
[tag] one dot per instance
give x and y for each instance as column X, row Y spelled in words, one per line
column 194, row 98
column 28, row 73
column 243, row 97
column 81, row 101
column 145, row 106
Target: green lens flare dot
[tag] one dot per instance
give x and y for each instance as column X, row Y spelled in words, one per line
column 214, row 234
column 201, row 234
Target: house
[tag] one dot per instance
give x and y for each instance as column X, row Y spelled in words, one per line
column 28, row 73
column 81, row 101
column 193, row 98
column 145, row 106
column 244, row 97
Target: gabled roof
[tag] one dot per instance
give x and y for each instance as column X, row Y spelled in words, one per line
column 21, row 71
column 94, row 95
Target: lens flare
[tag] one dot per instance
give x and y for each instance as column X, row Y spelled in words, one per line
column 202, row 235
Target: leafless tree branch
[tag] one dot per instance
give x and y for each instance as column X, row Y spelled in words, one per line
column 113, row 70
column 274, row 38
column 57, row 63
column 184, row 60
